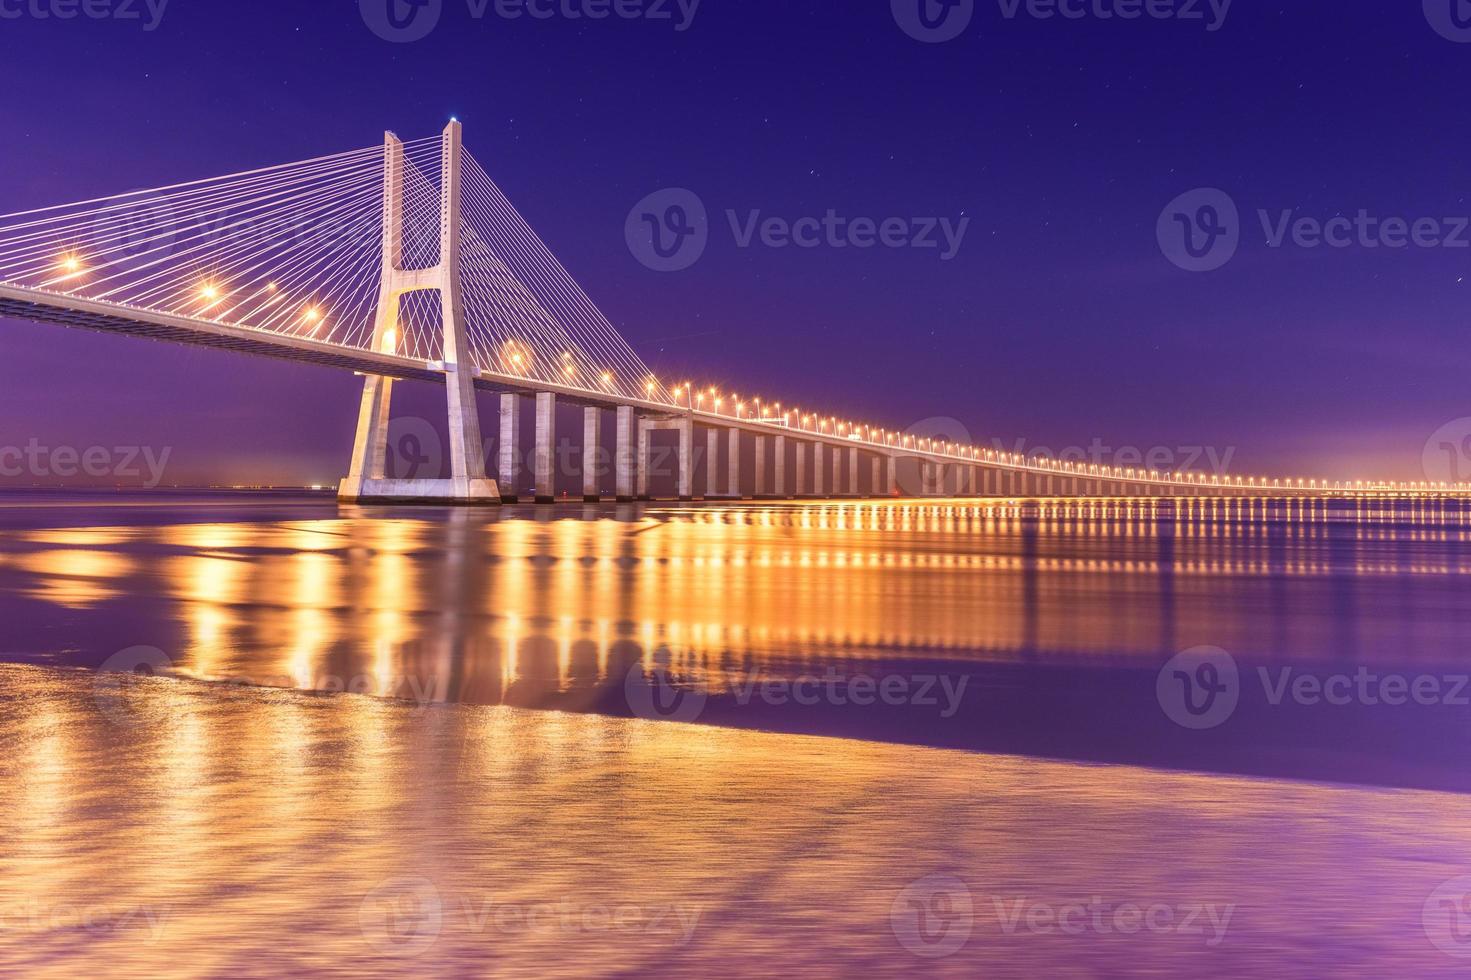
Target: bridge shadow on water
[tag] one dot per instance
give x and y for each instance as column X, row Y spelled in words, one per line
column 1307, row 640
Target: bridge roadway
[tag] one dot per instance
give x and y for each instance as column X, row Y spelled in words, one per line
column 973, row 472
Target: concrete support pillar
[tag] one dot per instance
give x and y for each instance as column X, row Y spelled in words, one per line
column 800, row 484
column 837, row 471
column 760, row 475
column 624, row 451
column 733, row 465
column 891, row 475
column 853, row 471
column 510, row 447
column 779, row 467
column 370, row 448
column 592, row 431
column 546, row 447
column 817, row 469
column 878, row 480
column 686, row 487
column 712, row 462
column 641, row 460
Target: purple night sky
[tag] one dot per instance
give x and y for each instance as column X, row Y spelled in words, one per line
column 1059, row 321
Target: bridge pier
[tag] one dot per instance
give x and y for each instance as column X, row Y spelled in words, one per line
column 800, row 484
column 853, row 472
column 758, row 490
column 891, row 475
column 712, row 463
column 592, row 422
column 367, row 479
column 642, row 459
column 733, row 465
column 817, row 450
column 686, row 428
column 623, row 453
column 875, row 465
column 510, row 445
column 546, row 447
column 779, row 468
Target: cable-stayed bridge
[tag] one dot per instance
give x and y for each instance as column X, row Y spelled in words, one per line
column 405, row 261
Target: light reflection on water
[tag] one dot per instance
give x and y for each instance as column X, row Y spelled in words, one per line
column 169, row 825
column 156, row 828
column 1055, row 611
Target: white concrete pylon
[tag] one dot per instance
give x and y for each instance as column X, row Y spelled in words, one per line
column 468, row 482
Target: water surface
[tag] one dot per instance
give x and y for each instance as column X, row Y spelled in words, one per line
column 614, row 741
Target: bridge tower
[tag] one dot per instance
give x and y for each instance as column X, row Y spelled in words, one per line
column 367, row 478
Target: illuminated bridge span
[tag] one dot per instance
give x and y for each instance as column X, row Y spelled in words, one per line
column 406, row 262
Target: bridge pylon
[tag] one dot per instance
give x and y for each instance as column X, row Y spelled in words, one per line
column 367, row 478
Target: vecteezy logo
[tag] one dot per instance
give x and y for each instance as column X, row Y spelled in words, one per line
column 110, row 688
column 668, row 230
column 1447, row 456
column 401, row 21
column 1200, row 230
column 1446, row 917
column 655, row 696
column 132, row 232
column 402, row 916
column 933, row 917
column 933, row 21
column 414, row 449
column 1450, row 18
column 1199, row 688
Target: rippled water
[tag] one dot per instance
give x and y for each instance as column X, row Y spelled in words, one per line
column 512, row 790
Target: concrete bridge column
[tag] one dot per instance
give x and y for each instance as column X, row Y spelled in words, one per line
column 592, row 424
column 878, row 482
column 370, row 448
column 759, row 490
column 686, row 488
column 546, row 447
column 852, row 471
column 837, row 471
column 779, row 467
column 642, row 459
column 800, row 488
column 624, row 449
column 712, row 462
column 891, row 475
column 817, row 469
column 510, row 447
column 733, row 465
